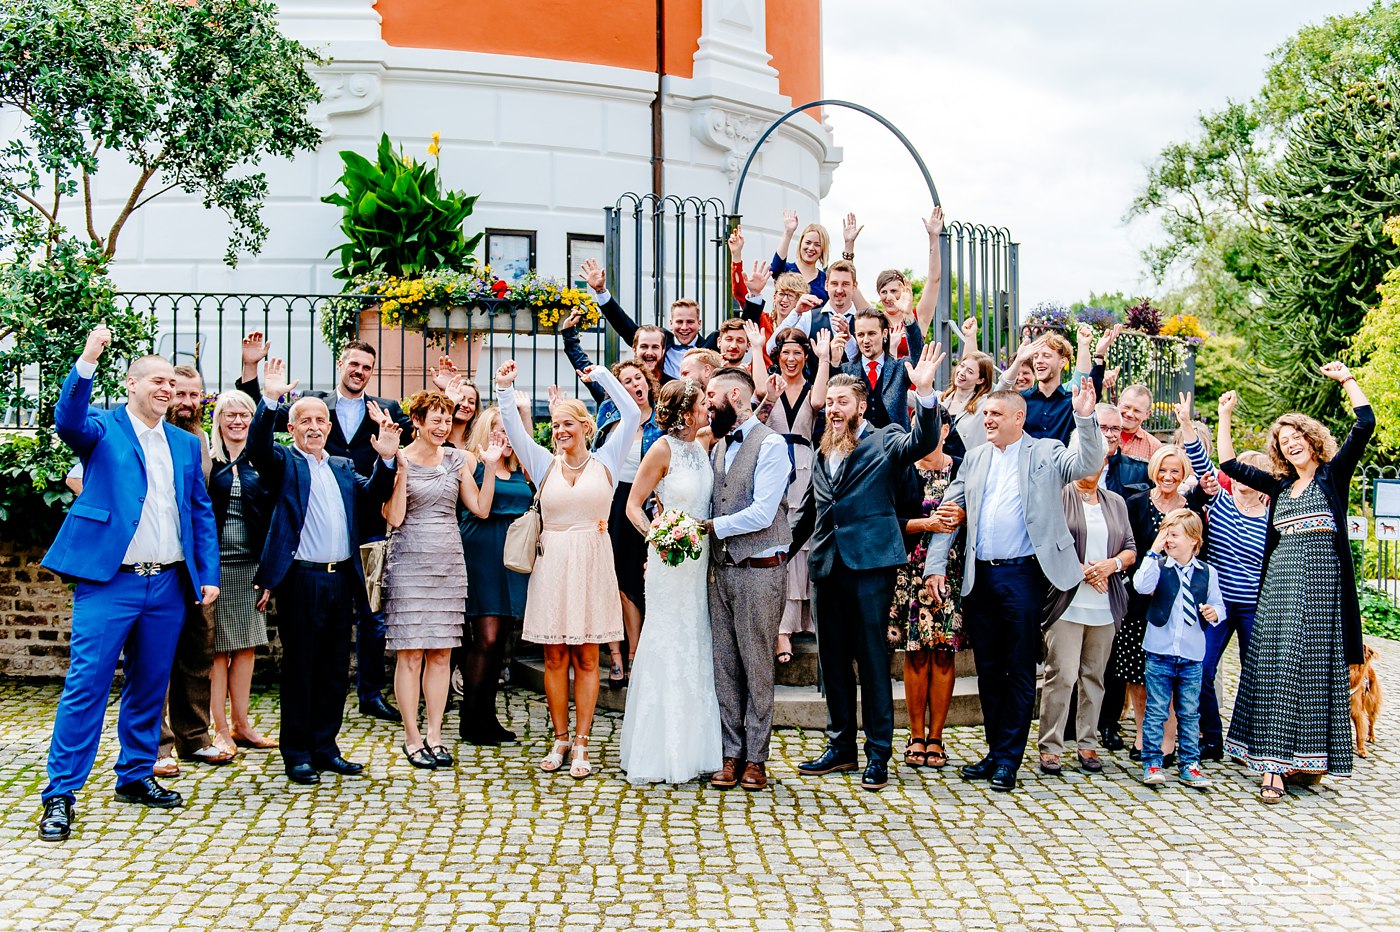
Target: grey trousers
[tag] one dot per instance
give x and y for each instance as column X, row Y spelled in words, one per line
column 1074, row 653
column 746, row 606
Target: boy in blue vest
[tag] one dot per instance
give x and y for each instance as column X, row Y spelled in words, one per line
column 1185, row 596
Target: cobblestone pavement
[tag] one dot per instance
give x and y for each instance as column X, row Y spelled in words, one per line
column 494, row 844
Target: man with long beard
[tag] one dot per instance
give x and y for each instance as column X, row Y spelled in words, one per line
column 857, row 545
column 184, row 729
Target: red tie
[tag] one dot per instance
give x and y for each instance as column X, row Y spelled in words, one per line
column 873, row 368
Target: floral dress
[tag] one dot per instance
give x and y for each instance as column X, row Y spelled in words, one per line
column 915, row 623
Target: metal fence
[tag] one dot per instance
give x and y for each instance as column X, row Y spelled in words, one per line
column 1385, row 571
column 982, row 279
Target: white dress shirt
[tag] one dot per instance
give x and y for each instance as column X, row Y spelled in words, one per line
column 1001, row 519
column 350, row 412
column 157, row 537
column 1182, row 636
column 770, row 477
column 325, row 534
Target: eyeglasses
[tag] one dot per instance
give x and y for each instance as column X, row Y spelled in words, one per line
column 1113, row 433
column 237, row 416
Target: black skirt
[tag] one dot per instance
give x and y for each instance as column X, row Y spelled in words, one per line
column 629, row 548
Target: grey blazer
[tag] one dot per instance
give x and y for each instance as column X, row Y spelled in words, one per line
column 1046, row 467
column 1120, row 538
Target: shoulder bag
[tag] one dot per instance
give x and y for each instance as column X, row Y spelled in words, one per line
column 523, row 536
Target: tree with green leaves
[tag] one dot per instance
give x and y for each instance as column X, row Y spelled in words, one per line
column 1376, row 349
column 1322, row 249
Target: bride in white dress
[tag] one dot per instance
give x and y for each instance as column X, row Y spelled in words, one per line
column 671, row 729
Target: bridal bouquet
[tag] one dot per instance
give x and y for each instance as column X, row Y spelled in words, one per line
column 676, row 537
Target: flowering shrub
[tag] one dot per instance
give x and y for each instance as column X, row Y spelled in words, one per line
column 1097, row 317
column 552, row 302
column 1187, row 327
column 1145, row 318
column 1048, row 315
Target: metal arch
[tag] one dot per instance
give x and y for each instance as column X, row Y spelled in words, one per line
column 743, row 173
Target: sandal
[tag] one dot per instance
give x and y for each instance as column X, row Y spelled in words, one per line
column 555, row 758
column 784, row 656
column 938, row 758
column 579, row 766
column 420, row 757
column 912, row 757
column 1269, row 793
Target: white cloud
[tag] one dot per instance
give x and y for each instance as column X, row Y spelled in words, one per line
column 1039, row 117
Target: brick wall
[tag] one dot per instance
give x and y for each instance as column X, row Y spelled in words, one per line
column 35, row 614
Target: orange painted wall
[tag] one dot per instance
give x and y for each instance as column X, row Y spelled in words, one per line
column 795, row 42
column 620, row 33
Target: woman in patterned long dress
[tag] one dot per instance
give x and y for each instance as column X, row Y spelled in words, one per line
column 239, row 628
column 425, row 576
column 929, row 634
column 1293, row 708
column 789, row 406
column 573, row 605
column 1168, row 471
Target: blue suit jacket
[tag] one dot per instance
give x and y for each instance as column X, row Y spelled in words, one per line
column 101, row 523
column 287, row 478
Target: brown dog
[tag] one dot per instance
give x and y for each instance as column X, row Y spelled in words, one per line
column 1366, row 697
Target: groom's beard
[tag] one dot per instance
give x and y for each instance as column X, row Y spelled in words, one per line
column 840, row 440
column 185, row 417
column 723, row 417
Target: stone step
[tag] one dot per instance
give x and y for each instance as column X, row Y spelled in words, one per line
column 794, row 706
column 802, row 669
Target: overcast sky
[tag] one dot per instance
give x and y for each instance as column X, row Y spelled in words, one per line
column 1036, row 116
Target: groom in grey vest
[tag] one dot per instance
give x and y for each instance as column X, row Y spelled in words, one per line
column 748, row 579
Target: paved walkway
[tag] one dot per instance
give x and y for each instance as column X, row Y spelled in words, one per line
column 496, row 845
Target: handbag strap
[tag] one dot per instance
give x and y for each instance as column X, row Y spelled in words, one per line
column 539, row 489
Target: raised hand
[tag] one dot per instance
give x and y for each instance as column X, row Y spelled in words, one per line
column 444, row 373
column 377, row 414
column 922, row 375
column 594, row 274
column 1084, row 399
column 969, row 332
column 254, row 350
column 1337, row 372
column 850, row 229
column 573, row 320
column 1182, row 410
column 1110, row 379
column 1210, row 485
column 736, row 244
column 776, row 385
column 1107, row 339
column 756, row 280
column 1228, row 401
column 492, row 454
column 275, row 381
column 934, row 225
column 754, row 335
column 386, row 442
column 904, row 304
column 456, row 389
column 1084, row 335
column 556, row 395
column 588, row 374
column 810, row 302
column 98, row 340
column 505, row 375
column 823, row 343
column 789, row 221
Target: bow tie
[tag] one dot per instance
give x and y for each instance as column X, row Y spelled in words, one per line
column 734, row 436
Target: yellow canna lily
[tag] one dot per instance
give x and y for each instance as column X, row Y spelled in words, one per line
column 433, row 150
column 437, row 138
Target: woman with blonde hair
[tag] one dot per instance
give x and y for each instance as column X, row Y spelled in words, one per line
column 813, row 246
column 495, row 595
column 1168, row 470
column 241, row 516
column 573, row 604
column 973, row 378
column 425, row 576
column 1292, row 711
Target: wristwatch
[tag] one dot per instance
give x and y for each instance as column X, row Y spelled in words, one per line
column 1118, row 562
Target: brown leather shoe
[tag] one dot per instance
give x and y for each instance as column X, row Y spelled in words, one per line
column 727, row 777
column 754, row 777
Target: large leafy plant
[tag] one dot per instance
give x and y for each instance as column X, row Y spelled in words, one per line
column 397, row 219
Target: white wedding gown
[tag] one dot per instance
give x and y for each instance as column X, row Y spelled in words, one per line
column 671, row 729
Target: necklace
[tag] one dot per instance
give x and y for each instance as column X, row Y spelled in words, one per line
column 1086, row 496
column 571, row 466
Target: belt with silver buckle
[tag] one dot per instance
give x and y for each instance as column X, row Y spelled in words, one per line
column 340, row 566
column 1010, row 561
column 148, row 569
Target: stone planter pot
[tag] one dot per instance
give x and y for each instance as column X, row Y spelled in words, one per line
column 407, row 359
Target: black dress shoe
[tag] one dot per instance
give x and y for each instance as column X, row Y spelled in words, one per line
column 1111, row 739
column 876, row 776
column 1004, row 778
column 1135, row 754
column 1212, row 752
column 441, row 756
column 376, row 707
column 304, row 774
column 147, row 792
column 831, row 761
column 338, row 765
column 1169, row 760
column 57, row 820
column 981, row 770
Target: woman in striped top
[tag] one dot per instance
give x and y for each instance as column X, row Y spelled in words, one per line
column 1236, row 529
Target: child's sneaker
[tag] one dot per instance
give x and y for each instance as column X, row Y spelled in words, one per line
column 1191, row 775
column 1153, row 775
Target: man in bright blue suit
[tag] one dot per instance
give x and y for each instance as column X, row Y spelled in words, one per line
column 141, row 545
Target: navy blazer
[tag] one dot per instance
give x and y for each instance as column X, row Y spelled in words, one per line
column 1334, row 479
column 287, row 477
column 101, row 523
column 854, row 514
column 253, row 498
column 1127, row 475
